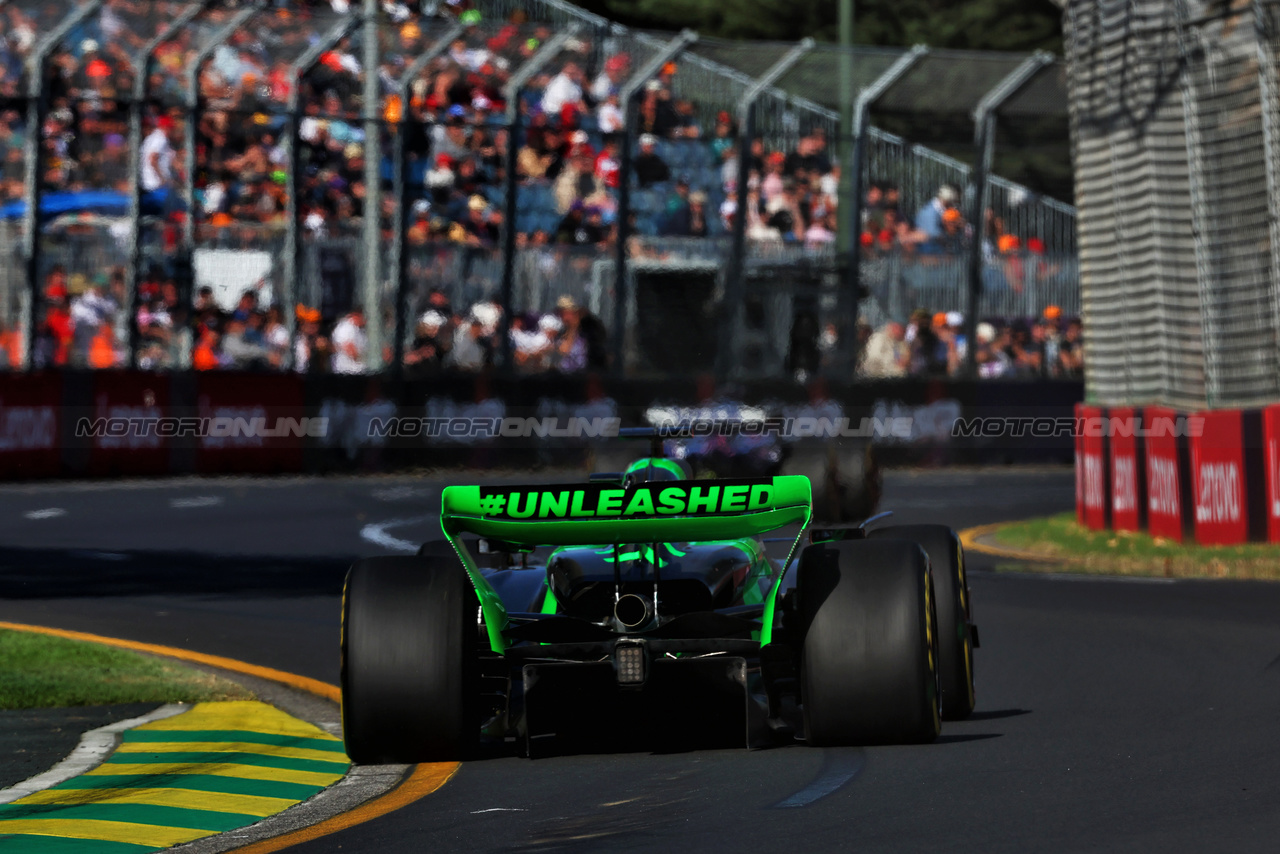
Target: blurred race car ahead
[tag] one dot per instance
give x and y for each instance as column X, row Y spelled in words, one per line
column 656, row 614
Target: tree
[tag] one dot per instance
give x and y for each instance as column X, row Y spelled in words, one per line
column 1015, row 25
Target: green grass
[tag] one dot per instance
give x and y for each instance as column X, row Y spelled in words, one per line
column 38, row 671
column 1123, row 553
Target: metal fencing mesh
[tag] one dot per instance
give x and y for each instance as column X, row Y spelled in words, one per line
column 1173, row 111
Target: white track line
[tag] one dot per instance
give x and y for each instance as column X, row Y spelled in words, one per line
column 95, row 746
column 376, row 533
column 198, row 501
column 837, row 769
column 47, row 513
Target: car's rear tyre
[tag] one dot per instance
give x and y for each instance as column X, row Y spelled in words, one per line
column 868, row 656
column 409, row 661
column 955, row 641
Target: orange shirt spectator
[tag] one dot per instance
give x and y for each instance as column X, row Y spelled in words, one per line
column 205, row 357
column 59, row 327
column 102, row 351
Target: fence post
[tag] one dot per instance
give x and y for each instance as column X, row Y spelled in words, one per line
column 292, row 261
column 627, row 97
column 372, row 221
column 511, row 92
column 193, row 104
column 734, row 284
column 37, row 109
column 399, row 257
column 850, row 294
column 142, row 73
column 984, row 140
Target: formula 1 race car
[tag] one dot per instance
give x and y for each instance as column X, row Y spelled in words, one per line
column 642, row 604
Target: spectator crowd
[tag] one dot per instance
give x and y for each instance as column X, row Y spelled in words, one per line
column 936, row 345
column 449, row 120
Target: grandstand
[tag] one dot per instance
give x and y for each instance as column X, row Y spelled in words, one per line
column 187, row 184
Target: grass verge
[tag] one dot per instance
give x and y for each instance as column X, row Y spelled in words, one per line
column 1078, row 549
column 37, row 671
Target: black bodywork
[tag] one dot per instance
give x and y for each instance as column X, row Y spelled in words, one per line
column 697, row 641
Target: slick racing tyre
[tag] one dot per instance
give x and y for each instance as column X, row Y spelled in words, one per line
column 868, row 661
column 409, row 661
column 955, row 641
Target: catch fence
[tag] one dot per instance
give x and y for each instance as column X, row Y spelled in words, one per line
column 220, row 183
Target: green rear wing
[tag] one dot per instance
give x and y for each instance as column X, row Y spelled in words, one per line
column 608, row 514
column 602, row 514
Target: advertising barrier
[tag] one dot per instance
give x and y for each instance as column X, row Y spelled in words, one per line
column 254, row 424
column 31, row 426
column 1218, row 479
column 1271, row 460
column 1094, row 478
column 1079, row 465
column 120, row 424
column 1126, row 459
column 1167, row 477
column 77, row 423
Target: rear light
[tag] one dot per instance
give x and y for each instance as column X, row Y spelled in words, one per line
column 628, row 660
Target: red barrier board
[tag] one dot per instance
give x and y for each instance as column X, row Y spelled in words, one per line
column 251, row 423
column 1218, row 480
column 121, row 425
column 1079, row 441
column 1125, row 492
column 1093, row 482
column 1164, row 486
column 30, row 425
column 1271, row 459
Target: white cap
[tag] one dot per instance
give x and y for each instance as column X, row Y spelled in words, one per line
column 487, row 313
column 986, row 333
column 88, row 46
column 550, row 323
column 432, row 318
column 648, row 139
column 947, row 193
column 955, row 318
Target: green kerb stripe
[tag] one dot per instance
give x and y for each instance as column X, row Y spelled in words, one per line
column 131, row 813
column 256, row 759
column 194, row 782
column 233, row 735
column 32, row 844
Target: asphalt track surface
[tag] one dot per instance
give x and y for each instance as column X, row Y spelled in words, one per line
column 1112, row 715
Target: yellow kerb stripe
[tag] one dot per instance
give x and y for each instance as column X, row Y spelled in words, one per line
column 229, row 747
column 220, row 769
column 104, row 831
column 192, row 799
column 238, row 714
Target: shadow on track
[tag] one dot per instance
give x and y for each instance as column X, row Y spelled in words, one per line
column 68, row 573
column 996, row 714
column 957, row 739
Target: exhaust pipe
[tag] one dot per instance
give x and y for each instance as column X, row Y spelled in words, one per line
column 633, row 611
